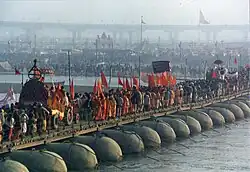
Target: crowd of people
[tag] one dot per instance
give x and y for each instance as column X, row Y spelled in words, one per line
column 19, row 122
column 124, row 62
column 189, row 59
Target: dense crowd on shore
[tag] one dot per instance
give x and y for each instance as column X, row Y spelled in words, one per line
column 17, row 122
column 126, row 65
column 89, row 62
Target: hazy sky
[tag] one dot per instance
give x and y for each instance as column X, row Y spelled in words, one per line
column 125, row 11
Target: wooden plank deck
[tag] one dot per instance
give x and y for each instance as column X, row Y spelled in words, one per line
column 85, row 128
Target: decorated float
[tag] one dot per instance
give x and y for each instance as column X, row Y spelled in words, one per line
column 49, row 94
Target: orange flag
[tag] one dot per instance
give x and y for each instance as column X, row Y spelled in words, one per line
column 58, row 88
column 95, row 89
column 127, row 84
column 119, row 79
column 164, row 79
column 72, row 90
column 158, row 80
column 173, row 80
column 135, row 82
column 99, row 87
column 104, row 80
column 151, row 80
column 170, row 79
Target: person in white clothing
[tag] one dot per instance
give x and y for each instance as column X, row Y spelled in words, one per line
column 24, row 119
column 146, row 102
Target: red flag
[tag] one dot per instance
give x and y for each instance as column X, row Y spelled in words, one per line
column 214, row 74
column 235, row 60
column 135, row 82
column 72, row 90
column 42, row 79
column 127, row 84
column 17, row 72
column 104, row 80
column 124, row 84
column 95, row 88
column 119, row 79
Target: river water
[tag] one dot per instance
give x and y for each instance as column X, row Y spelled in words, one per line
column 80, row 81
column 223, row 150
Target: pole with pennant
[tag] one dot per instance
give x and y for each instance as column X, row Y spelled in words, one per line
column 202, row 20
column 17, row 72
column 142, row 22
column 69, row 65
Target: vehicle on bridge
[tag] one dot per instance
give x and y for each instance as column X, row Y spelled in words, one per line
column 35, row 90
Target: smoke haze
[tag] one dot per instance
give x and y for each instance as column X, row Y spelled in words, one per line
column 125, row 11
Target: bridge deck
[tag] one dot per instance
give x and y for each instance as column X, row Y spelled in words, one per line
column 85, row 128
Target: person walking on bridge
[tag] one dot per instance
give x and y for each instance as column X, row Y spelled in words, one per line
column 24, row 119
column 10, row 123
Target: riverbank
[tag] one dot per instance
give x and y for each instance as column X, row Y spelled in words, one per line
column 18, row 87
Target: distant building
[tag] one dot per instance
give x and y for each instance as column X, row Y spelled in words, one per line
column 104, row 41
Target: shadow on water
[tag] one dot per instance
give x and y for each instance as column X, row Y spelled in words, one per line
column 221, row 149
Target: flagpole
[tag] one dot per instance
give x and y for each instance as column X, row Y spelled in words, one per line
column 199, row 24
column 22, row 79
column 249, row 12
column 69, row 68
column 205, row 71
column 140, row 54
column 110, row 75
column 185, row 74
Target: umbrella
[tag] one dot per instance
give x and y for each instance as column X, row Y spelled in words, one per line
column 218, row 62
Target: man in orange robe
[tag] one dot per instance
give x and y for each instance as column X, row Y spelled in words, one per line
column 112, row 107
column 125, row 104
column 104, row 108
column 99, row 109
